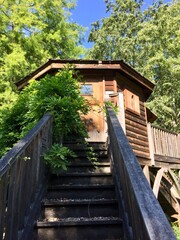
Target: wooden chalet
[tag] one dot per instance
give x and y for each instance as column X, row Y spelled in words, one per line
column 113, row 81
column 113, row 200
column 119, row 83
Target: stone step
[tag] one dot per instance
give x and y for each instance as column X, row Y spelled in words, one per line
column 55, row 208
column 98, row 228
column 94, row 191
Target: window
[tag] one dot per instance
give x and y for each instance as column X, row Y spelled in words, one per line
column 132, row 101
column 86, row 89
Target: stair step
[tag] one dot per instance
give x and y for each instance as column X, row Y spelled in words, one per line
column 79, row 208
column 82, row 178
column 81, row 204
column 88, row 167
column 79, row 159
column 93, row 191
column 100, row 228
column 96, row 146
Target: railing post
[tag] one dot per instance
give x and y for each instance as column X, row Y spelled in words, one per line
column 151, row 143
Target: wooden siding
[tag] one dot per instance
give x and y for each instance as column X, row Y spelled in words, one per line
column 136, row 123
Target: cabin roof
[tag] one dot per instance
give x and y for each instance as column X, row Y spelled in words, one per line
column 118, row 65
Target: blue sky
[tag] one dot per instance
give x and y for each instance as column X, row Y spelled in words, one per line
column 88, row 11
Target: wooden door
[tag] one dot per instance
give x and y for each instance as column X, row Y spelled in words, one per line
column 93, row 91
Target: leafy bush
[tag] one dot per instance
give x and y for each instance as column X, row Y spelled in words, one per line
column 57, row 157
column 57, row 94
column 176, row 231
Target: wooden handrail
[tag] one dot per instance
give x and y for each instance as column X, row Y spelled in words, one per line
column 145, row 216
column 22, row 178
column 163, row 142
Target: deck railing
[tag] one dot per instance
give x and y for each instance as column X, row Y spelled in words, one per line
column 163, row 144
column 145, row 216
column 22, row 181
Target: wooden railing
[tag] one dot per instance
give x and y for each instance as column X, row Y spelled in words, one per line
column 22, row 182
column 144, row 214
column 164, row 146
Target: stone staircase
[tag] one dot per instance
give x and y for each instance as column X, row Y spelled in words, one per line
column 81, row 203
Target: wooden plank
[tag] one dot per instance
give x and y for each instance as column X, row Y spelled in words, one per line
column 136, row 125
column 137, row 119
column 109, row 88
column 11, row 203
column 135, row 130
column 167, row 159
column 136, row 136
column 140, row 149
column 142, row 155
column 138, row 142
column 141, row 115
column 151, row 143
column 167, row 165
column 143, row 160
column 3, row 202
column 108, row 83
column 157, row 181
column 146, row 173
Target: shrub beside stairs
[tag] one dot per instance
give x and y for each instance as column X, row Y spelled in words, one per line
column 81, row 204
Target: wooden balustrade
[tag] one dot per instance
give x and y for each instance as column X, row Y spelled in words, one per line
column 22, row 181
column 145, row 216
column 164, row 147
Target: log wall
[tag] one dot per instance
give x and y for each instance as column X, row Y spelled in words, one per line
column 136, row 122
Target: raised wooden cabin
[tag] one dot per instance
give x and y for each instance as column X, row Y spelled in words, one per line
column 24, row 185
column 113, row 81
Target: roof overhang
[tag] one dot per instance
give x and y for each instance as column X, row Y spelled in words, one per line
column 119, row 65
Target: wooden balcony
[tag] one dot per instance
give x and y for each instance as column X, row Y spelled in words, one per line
column 164, row 148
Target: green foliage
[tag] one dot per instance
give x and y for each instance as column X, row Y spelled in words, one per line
column 148, row 40
column 91, row 155
column 32, row 31
column 176, row 229
column 56, row 94
column 57, row 157
column 110, row 104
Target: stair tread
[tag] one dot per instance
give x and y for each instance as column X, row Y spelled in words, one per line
column 80, row 186
column 56, row 222
column 96, row 165
column 66, row 174
column 60, row 202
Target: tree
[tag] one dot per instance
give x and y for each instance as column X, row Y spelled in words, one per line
column 59, row 95
column 116, row 36
column 148, row 40
column 32, row 31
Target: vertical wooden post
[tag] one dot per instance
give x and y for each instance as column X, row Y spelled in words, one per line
column 121, row 113
column 157, row 181
column 151, row 144
column 146, row 173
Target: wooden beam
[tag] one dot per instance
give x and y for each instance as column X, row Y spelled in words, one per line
column 146, row 173
column 151, row 143
column 158, row 181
